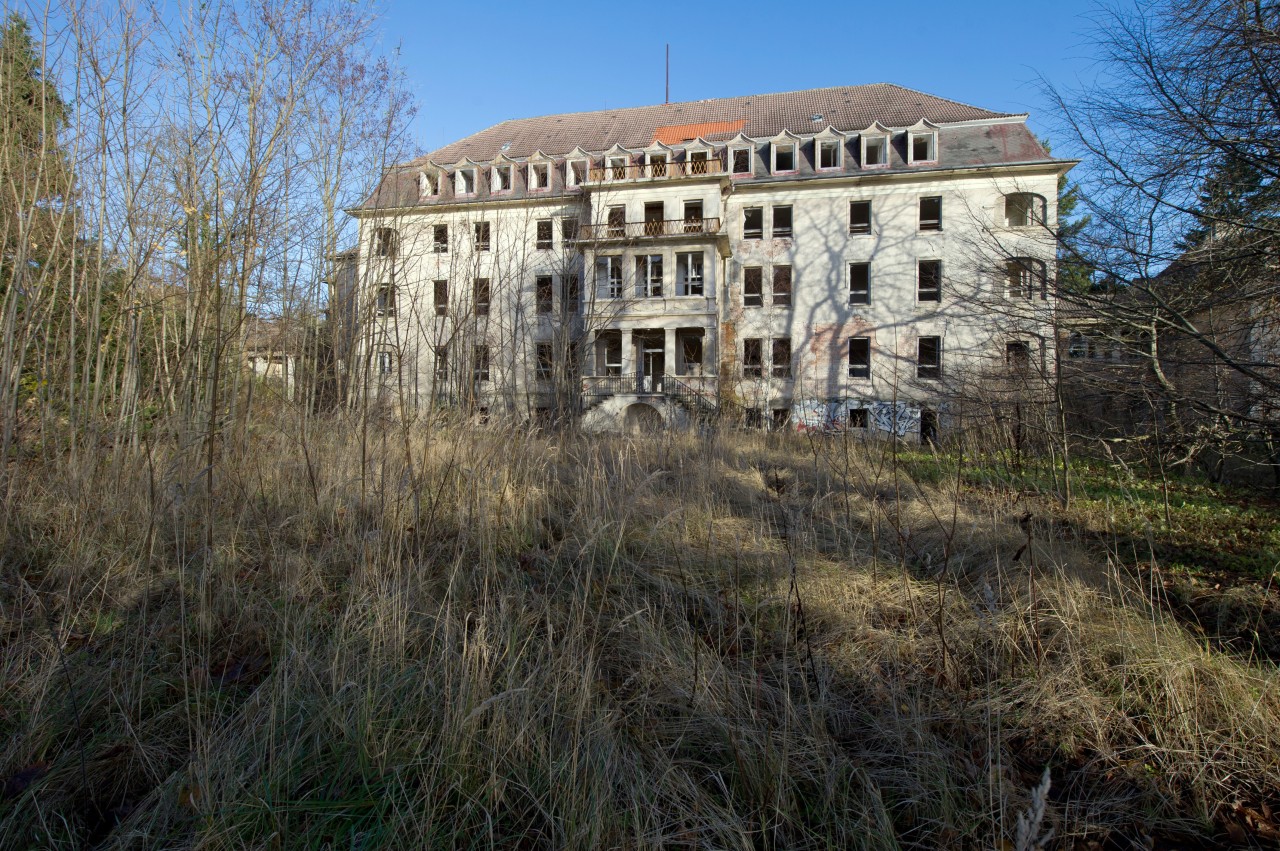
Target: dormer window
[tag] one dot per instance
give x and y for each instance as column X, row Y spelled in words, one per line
column 428, row 185
column 875, row 150
column 923, row 147
column 539, row 176
column 575, row 172
column 1023, row 210
column 657, row 165
column 698, row 162
column 828, row 153
column 784, row 157
column 465, row 181
column 501, row 179
column 617, row 168
column 740, row 158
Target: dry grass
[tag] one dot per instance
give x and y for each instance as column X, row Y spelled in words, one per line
column 499, row 639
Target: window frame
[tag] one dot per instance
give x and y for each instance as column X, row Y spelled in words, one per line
column 684, row 273
column 781, row 367
column 937, row 298
column 384, row 300
column 614, row 285
column 386, row 242
column 774, row 150
column 386, row 361
column 485, row 242
column 819, row 145
column 931, row 225
column 1034, row 279
column 788, row 292
column 929, row 370
column 789, row 230
column 440, row 296
column 870, row 211
column 747, row 233
column 1037, row 210
column 539, row 242
column 440, row 365
column 481, row 306
column 930, row 138
column 497, row 186
column 749, row 150
column 544, row 294
column 543, row 361
column 749, row 298
column 861, row 345
column 885, row 142
column 753, row 357
column 461, row 179
column 480, row 365
column 536, row 168
column 571, row 178
column 865, row 291
column 569, row 230
column 650, row 286
column 440, row 245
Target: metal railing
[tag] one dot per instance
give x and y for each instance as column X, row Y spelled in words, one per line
column 654, row 228
column 655, row 171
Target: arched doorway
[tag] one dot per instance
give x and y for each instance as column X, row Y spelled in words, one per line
column 641, row 419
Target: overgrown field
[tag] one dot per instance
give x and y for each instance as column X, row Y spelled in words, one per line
column 358, row 638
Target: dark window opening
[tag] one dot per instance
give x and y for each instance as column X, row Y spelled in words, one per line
column 752, row 358
column 781, row 222
column 828, row 154
column 860, row 217
column 784, row 158
column 859, row 283
column 929, row 357
column 929, row 281
column 482, row 297
column 860, row 357
column 542, row 238
column 753, row 287
column 781, row 357
column 782, row 286
column 931, row 213
column 440, row 239
column 543, row 293
column 742, row 161
column 544, row 362
column 859, row 418
column 483, row 233
column 440, row 297
column 753, row 223
column 386, row 305
column 481, row 361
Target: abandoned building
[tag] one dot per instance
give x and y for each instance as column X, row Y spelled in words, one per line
column 837, row 257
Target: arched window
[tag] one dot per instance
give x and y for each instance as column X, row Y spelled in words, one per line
column 1025, row 278
column 1023, row 210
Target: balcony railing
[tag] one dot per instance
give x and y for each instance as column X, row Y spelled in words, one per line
column 655, row 171
column 644, row 230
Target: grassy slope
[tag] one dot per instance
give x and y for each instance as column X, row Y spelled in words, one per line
column 498, row 640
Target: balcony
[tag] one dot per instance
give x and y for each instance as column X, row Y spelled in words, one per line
column 655, row 171
column 650, row 230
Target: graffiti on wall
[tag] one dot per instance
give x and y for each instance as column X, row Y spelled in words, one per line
column 837, row 415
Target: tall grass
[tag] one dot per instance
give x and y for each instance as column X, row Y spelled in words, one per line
column 458, row 638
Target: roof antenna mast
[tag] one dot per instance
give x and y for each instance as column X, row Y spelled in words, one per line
column 668, row 100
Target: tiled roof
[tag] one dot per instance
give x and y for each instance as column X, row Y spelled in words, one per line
column 674, row 134
column 847, row 108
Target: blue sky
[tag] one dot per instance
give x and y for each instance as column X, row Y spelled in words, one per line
column 473, row 65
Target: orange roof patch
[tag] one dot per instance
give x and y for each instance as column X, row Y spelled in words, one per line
column 674, row 134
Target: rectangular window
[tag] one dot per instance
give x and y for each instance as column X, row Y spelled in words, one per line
column 655, row 212
column 569, row 231
column 829, row 154
column 753, row 287
column 1017, row 356
column 929, row 357
column 859, row 283
column 542, row 371
column 741, row 161
column 689, row 272
column 442, row 363
column 924, row 147
column 480, row 371
column 859, row 417
column 657, row 165
column 384, row 242
column 929, row 280
column 782, row 222
column 440, row 297
column 698, row 162
column 782, row 286
column 693, row 217
column 440, row 239
column 617, row 168
column 539, row 176
column 1022, row 210
column 466, row 182
column 609, row 276
column 1026, row 278
column 386, row 362
column 483, row 235
column 784, row 158
column 752, row 358
column 753, row 223
column 502, row 178
column 617, row 221
column 482, row 295
column 875, row 151
column 543, row 293
column 386, row 300
column 542, row 238
column 575, row 172
column 931, row 213
column 649, row 275
column 781, row 357
column 570, row 293
column 860, row 357
column 859, row 217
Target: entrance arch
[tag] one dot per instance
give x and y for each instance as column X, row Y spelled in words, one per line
column 640, row 418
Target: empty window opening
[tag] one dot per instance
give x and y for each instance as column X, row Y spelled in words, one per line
column 440, row 297
column 753, row 287
column 654, row 213
column 386, row 300
column 698, row 162
column 575, row 172
column 569, row 230
column 542, row 234
column 428, row 184
column 829, row 154
column 441, row 354
column 782, row 222
column 931, row 213
column 613, row 354
column 753, row 418
column 649, row 275
column 617, row 220
column 691, row 354
column 741, row 161
column 502, row 178
column 1078, row 345
column 384, row 242
column 539, row 176
column 752, row 358
column 689, row 273
column 657, row 165
column 543, row 289
column 440, row 239
column 781, row 286
column 781, row 357
column 929, row 357
column 859, row 217
column 545, row 362
column 859, row 283
column 1025, row 278
column 480, row 359
column 784, row 158
column 860, row 357
column 924, row 147
column 617, row 168
column 1022, row 210
column 466, row 182
column 875, row 151
column 482, row 297
column 859, row 418
column 693, row 217
column 1017, row 356
column 753, row 223
column 609, row 276
column 928, row 427
column 780, row 418
column 483, row 236
column 570, row 293
column 386, row 361
column 929, row 280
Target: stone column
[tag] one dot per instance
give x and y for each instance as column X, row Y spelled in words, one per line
column 628, row 353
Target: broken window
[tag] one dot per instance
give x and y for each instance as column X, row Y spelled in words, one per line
column 698, row 162
column 1025, row 278
column 780, row 419
column 482, row 295
column 1017, row 356
column 542, row 234
column 440, row 239
column 539, row 176
column 501, row 178
column 929, row 280
column 781, row 286
column 542, row 370
column 924, row 147
column 753, row 287
column 752, row 358
column 386, row 300
column 428, row 184
column 384, row 242
column 689, row 273
column 860, row 357
column 654, row 213
column 859, row 283
column 575, row 172
column 931, row 213
column 543, row 293
column 782, row 222
column 440, row 297
column 441, row 354
column 875, row 150
column 617, row 168
column 609, row 276
column 1022, row 209
column 649, row 274
column 657, row 165
column 480, row 360
column 929, row 357
column 617, row 219
column 859, row 417
column 483, row 233
column 691, row 355
column 781, row 357
column 465, row 183
column 859, row 217
column 784, row 157
column 613, row 355
column 741, row 158
column 1077, row 345
column 829, row 154
column 693, row 217
column 753, row 223
column 386, row 359
column 569, row 231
